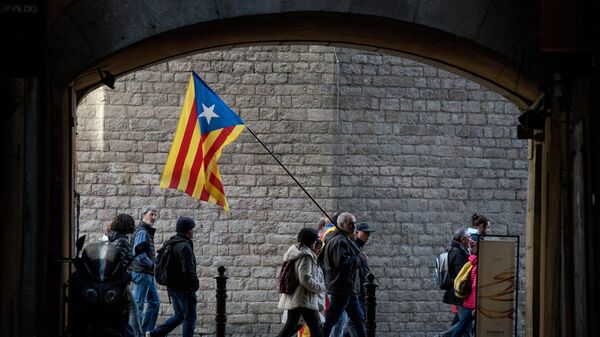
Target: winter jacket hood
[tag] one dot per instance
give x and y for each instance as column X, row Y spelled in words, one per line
column 297, row 251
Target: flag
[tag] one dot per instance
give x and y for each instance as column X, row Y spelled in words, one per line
column 206, row 126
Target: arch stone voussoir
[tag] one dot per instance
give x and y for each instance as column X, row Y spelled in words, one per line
column 482, row 40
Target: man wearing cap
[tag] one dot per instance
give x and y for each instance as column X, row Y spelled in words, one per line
column 142, row 268
column 183, row 281
column 363, row 232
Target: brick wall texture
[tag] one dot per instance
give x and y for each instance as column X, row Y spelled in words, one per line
column 407, row 147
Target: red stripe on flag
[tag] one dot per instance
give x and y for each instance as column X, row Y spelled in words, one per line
column 217, row 145
column 217, row 183
column 204, row 195
column 185, row 145
column 195, row 170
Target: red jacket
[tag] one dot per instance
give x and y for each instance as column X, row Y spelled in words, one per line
column 469, row 302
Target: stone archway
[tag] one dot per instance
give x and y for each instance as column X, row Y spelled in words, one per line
column 410, row 148
column 486, row 42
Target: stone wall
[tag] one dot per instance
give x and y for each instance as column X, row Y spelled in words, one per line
column 409, row 148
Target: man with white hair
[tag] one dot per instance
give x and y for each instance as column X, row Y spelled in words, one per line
column 142, row 268
column 342, row 263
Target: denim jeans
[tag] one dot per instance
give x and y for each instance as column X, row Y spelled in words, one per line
column 464, row 322
column 145, row 292
column 184, row 307
column 352, row 306
column 338, row 329
column 134, row 328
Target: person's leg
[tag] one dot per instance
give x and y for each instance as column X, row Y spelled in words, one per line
column 313, row 321
column 139, row 292
column 338, row 329
column 356, row 315
column 173, row 321
column 463, row 324
column 189, row 314
column 134, row 315
column 337, row 305
column 351, row 327
column 456, row 317
column 152, row 305
column 289, row 328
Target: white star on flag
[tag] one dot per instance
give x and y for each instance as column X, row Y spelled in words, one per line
column 208, row 113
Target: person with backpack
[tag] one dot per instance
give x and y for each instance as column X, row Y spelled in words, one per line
column 143, row 269
column 306, row 297
column 467, row 310
column 181, row 279
column 457, row 257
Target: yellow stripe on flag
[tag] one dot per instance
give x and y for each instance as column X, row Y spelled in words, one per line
column 186, row 172
column 167, row 174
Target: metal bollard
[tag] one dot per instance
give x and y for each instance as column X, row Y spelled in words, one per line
column 370, row 322
column 221, row 316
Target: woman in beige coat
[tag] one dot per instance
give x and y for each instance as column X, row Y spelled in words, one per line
column 305, row 301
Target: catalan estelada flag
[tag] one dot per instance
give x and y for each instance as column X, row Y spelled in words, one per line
column 206, row 126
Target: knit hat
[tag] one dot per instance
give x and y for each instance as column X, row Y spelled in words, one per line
column 184, row 224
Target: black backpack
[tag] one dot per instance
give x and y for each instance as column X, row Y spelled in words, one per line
column 162, row 264
column 288, row 281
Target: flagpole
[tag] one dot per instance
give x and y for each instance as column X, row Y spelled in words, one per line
column 290, row 174
column 352, row 243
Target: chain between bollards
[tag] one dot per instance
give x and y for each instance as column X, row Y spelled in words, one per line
column 370, row 322
column 221, row 316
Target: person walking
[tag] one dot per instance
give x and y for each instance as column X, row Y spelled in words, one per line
column 342, row 262
column 117, row 231
column 480, row 226
column 182, row 283
column 467, row 310
column 308, row 299
column 457, row 257
column 143, row 269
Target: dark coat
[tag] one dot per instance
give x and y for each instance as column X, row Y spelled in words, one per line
column 342, row 265
column 457, row 257
column 122, row 242
column 144, row 262
column 182, row 265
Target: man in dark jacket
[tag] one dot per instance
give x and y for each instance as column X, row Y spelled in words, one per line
column 182, row 283
column 142, row 269
column 342, row 261
column 457, row 257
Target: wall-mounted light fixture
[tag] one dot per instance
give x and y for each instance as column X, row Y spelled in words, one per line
column 107, row 78
column 531, row 120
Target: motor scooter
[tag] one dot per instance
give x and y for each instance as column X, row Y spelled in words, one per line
column 98, row 301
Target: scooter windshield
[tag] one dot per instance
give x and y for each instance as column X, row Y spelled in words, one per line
column 101, row 260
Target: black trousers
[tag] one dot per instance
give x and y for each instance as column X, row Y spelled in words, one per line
column 311, row 317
